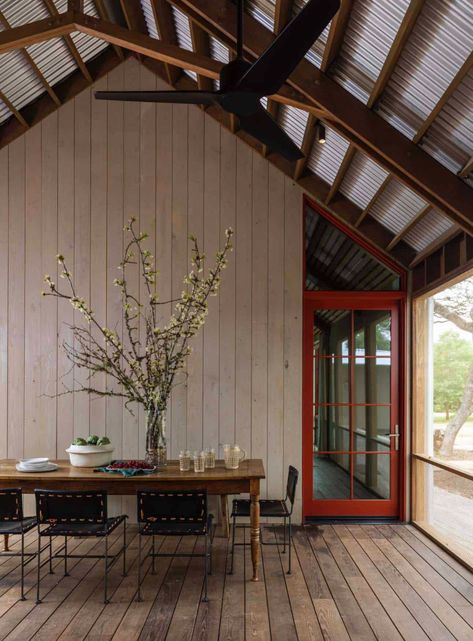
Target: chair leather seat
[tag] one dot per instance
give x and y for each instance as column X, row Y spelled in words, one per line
column 171, row 528
column 268, row 507
column 17, row 527
column 84, row 529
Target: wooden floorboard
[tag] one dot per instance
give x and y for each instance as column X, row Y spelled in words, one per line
column 349, row 583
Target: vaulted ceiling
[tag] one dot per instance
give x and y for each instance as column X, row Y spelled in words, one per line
column 391, row 81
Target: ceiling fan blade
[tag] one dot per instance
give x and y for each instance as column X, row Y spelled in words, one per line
column 280, row 59
column 181, row 97
column 264, row 128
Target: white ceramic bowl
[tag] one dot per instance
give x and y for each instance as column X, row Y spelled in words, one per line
column 90, row 455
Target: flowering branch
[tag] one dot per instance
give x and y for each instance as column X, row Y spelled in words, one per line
column 145, row 369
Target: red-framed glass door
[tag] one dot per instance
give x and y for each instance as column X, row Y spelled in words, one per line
column 351, row 405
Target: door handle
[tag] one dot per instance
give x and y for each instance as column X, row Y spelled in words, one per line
column 394, row 435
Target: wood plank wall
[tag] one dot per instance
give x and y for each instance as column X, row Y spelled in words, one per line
column 67, row 186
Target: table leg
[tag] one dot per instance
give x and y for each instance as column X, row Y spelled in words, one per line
column 5, row 542
column 255, row 527
column 224, row 510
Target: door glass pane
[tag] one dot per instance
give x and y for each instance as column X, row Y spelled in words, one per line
column 332, row 476
column 372, row 475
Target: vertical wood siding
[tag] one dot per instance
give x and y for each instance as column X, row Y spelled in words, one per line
column 67, row 186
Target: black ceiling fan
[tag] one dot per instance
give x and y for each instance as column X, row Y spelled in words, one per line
column 243, row 84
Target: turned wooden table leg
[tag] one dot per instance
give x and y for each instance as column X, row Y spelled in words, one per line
column 225, row 521
column 5, row 542
column 255, row 526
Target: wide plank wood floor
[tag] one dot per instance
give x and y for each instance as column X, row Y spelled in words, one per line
column 349, row 582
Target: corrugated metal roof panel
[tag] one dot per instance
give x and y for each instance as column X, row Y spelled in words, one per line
column 396, row 206
column 5, row 113
column 452, row 130
column 293, row 122
column 54, row 59
column 183, row 34
column 263, row 11
column 370, row 32
column 218, row 50
column 428, row 230
column 362, row 180
column 325, row 159
column 18, row 81
column 87, row 46
column 149, row 18
column 437, row 47
column 18, row 13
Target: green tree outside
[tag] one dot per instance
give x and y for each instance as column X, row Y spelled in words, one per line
column 453, row 355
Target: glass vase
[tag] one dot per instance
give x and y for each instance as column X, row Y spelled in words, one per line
column 156, row 445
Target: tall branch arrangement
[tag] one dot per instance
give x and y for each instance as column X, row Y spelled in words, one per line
column 144, row 358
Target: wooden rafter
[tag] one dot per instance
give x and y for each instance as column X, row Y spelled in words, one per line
column 374, row 198
column 459, row 76
column 410, row 225
column 435, row 245
column 342, row 170
column 11, row 107
column 164, row 19
column 201, row 45
column 306, row 147
column 51, row 7
column 367, row 130
column 103, row 13
column 38, row 73
column 403, row 33
column 335, row 34
column 282, row 15
column 466, row 169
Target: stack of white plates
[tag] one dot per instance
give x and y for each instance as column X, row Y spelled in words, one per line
column 36, row 465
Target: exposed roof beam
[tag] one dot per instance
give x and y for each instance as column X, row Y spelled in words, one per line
column 282, row 15
column 335, row 34
column 14, row 110
column 410, row 225
column 342, row 170
column 164, row 19
column 201, row 45
column 404, row 31
column 466, row 169
column 459, row 76
column 366, row 129
column 51, row 7
column 103, row 13
column 374, row 198
column 306, row 147
column 38, row 31
column 33, row 65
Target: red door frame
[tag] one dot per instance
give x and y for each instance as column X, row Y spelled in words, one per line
column 372, row 300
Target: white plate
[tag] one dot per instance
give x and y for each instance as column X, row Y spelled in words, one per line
column 49, row 467
column 34, row 461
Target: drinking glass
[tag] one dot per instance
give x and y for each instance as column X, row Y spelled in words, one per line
column 209, row 458
column 184, row 461
column 199, row 461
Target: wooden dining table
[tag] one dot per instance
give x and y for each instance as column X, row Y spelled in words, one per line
column 217, row 481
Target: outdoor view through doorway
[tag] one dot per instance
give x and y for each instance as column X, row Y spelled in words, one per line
column 353, row 309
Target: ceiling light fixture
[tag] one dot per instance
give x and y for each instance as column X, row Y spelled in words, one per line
column 321, row 133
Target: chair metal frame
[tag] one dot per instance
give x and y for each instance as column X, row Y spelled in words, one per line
column 17, row 517
column 101, row 517
column 164, row 519
column 291, row 485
